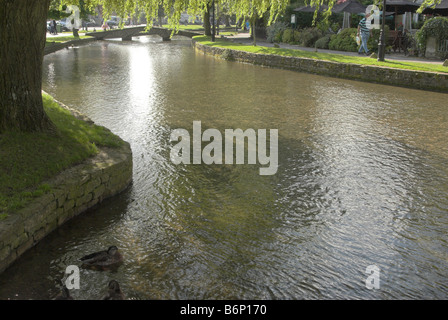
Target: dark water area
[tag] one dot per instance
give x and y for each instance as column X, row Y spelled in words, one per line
column 362, row 180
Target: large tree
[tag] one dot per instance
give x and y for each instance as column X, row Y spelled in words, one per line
column 22, row 37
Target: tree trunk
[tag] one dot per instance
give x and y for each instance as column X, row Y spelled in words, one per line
column 160, row 15
column 22, row 38
column 207, row 25
column 227, row 21
column 254, row 34
column 217, row 19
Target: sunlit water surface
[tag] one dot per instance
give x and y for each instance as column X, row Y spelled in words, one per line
column 362, row 180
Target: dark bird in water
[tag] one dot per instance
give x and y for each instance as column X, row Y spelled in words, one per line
column 114, row 292
column 64, row 294
column 103, row 259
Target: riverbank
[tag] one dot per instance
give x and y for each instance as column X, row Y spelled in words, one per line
column 244, row 38
column 397, row 73
column 54, row 45
column 47, row 179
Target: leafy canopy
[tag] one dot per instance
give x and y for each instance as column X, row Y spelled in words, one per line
column 174, row 8
column 378, row 3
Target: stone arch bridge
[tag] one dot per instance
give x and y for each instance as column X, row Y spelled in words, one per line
column 126, row 34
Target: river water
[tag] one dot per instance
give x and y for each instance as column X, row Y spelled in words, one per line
column 362, row 180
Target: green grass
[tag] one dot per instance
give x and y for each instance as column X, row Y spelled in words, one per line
column 66, row 38
column 28, row 159
column 323, row 56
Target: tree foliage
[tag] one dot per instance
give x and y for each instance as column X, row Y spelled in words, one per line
column 174, row 8
column 379, row 3
column 428, row 4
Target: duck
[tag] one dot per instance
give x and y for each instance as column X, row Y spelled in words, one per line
column 103, row 259
column 114, row 292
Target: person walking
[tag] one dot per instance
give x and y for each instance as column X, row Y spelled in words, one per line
column 364, row 31
column 53, row 27
column 105, row 26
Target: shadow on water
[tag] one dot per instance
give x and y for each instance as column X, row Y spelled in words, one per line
column 63, row 247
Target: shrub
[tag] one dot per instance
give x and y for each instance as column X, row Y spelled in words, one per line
column 275, row 31
column 326, row 26
column 344, row 40
column 323, row 42
column 278, row 38
column 288, row 36
column 413, row 47
column 296, row 36
column 323, row 25
column 309, row 36
column 436, row 27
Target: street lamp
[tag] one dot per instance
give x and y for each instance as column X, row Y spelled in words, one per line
column 382, row 43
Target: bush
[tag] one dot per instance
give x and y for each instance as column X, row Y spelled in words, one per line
column 344, row 40
column 275, row 31
column 291, row 36
column 326, row 26
column 309, row 36
column 436, row 27
column 413, row 47
column 279, row 36
column 323, row 42
column 288, row 36
column 296, row 36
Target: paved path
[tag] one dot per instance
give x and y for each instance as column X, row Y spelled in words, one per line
column 244, row 38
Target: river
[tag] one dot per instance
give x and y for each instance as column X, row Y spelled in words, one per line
column 362, row 181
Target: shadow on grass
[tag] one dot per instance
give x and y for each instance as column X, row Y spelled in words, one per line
column 27, row 159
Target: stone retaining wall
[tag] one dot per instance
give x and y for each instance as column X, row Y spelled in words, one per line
column 397, row 77
column 72, row 192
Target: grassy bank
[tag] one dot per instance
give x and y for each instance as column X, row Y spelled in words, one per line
column 322, row 56
column 60, row 39
column 28, row 159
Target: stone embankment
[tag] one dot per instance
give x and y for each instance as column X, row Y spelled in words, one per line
column 432, row 81
column 73, row 191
